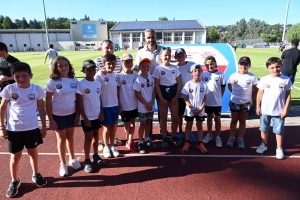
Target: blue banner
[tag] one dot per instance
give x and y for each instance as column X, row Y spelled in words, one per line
column 89, row 31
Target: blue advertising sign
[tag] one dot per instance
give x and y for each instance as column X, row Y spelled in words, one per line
column 89, row 31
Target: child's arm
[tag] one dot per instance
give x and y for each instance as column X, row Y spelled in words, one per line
column 258, row 99
column 79, row 104
column 178, row 80
column 199, row 110
column 101, row 116
column 52, row 123
column 158, row 92
column 119, row 102
column 230, row 87
column 42, row 112
column 223, row 90
column 187, row 101
column 150, row 105
column 3, row 106
column 287, row 104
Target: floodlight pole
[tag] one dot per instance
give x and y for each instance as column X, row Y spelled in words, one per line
column 286, row 16
column 47, row 35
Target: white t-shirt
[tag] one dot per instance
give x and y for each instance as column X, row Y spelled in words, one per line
column 109, row 96
column 166, row 75
column 64, row 95
column 141, row 85
column 127, row 94
column 52, row 53
column 214, row 81
column 22, row 106
column 100, row 64
column 91, row 92
column 242, row 86
column 151, row 55
column 274, row 94
column 196, row 93
column 185, row 74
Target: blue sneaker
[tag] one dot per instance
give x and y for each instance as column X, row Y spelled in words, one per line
column 168, row 134
column 192, row 137
column 179, row 136
column 164, row 142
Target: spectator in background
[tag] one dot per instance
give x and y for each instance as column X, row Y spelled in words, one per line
column 52, row 53
column 291, row 58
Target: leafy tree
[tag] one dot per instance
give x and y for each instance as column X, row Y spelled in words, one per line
column 241, row 28
column 110, row 24
column 1, row 21
column 293, row 33
column 163, row 18
column 7, row 23
column 18, row 23
column 86, row 18
column 33, row 24
column 213, row 34
column 25, row 24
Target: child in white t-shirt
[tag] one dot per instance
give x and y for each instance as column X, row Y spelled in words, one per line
column 18, row 107
column 167, row 85
column 195, row 96
column 128, row 100
column 273, row 100
column 216, row 83
column 145, row 93
column 110, row 104
column 88, row 101
column 61, row 109
column 185, row 76
column 242, row 85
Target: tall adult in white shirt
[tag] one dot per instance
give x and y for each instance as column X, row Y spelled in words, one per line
column 52, row 53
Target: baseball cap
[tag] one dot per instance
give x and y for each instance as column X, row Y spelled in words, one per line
column 88, row 63
column 179, row 50
column 245, row 59
column 210, row 58
column 195, row 66
column 145, row 60
column 126, row 57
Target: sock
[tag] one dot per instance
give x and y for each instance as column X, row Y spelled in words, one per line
column 218, row 137
column 140, row 142
column 240, row 138
column 232, row 137
column 266, row 144
column 146, row 139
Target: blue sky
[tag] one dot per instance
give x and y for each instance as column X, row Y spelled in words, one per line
column 209, row 12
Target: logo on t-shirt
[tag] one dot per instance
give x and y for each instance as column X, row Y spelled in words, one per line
column 248, row 81
column 217, row 78
column 15, row 96
column 201, row 89
column 58, row 86
column 191, row 90
column 116, row 79
column 173, row 71
column 123, row 82
column 281, row 85
column 31, row 97
column 162, row 72
column 142, row 85
column 72, row 85
column 9, row 64
column 188, row 70
column 206, row 78
column 151, row 83
column 235, row 81
column 98, row 90
column 267, row 85
column 106, row 79
column 87, row 90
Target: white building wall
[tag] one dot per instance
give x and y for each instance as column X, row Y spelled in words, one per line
column 200, row 37
column 9, row 39
column 23, row 38
column 63, row 37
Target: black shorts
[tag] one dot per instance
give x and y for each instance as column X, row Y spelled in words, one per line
column 18, row 139
column 198, row 118
column 245, row 107
column 168, row 92
column 64, row 122
column 181, row 106
column 131, row 114
column 95, row 124
column 216, row 110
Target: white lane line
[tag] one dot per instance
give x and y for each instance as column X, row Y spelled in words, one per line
column 170, row 155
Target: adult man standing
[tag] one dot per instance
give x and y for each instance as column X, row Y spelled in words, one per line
column 291, row 58
column 6, row 62
column 52, row 53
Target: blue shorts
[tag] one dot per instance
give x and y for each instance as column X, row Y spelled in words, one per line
column 278, row 124
column 145, row 116
column 111, row 115
column 64, row 122
column 291, row 76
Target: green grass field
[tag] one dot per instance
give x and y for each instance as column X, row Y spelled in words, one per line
column 258, row 56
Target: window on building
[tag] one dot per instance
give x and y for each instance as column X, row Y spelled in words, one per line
column 189, row 36
column 136, row 37
column 167, row 36
column 178, row 36
column 126, row 37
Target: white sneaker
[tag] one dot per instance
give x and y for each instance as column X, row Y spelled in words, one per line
column 218, row 142
column 279, row 153
column 114, row 151
column 106, row 152
column 207, row 138
column 63, row 170
column 75, row 164
column 261, row 149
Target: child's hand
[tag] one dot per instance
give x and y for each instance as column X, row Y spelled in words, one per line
column 258, row 111
column 283, row 114
column 43, row 132
column 3, row 134
column 103, row 71
column 120, row 111
column 196, row 111
column 149, row 106
column 87, row 123
column 164, row 102
column 77, row 119
column 101, row 117
column 52, row 125
column 174, row 100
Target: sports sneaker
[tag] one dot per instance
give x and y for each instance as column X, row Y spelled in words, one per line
column 218, row 142
column 97, row 159
column 207, row 138
column 100, row 146
column 175, row 141
column 186, row 146
column 88, row 166
column 114, row 151
column 192, row 137
column 279, row 153
column 179, row 136
column 262, row 148
column 13, row 188
column 241, row 144
column 230, row 141
column 164, row 142
column 168, row 134
column 140, row 148
column 63, row 170
column 75, row 164
column 130, row 145
column 106, row 152
column 39, row 180
column 118, row 142
column 202, row 148
column 150, row 144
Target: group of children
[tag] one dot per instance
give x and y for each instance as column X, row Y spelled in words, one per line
column 101, row 96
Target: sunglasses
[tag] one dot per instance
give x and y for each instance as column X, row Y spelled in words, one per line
column 166, row 48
